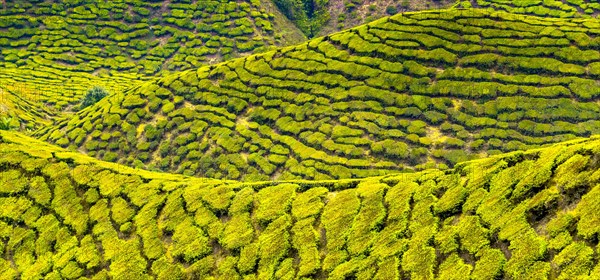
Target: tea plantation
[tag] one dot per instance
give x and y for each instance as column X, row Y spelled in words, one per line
column 134, row 35
column 413, row 90
column 187, row 139
column 523, row 215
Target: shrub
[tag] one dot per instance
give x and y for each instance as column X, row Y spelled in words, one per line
column 238, row 232
column 344, row 131
column 92, row 96
column 111, row 156
column 7, row 123
column 391, row 148
column 585, row 89
column 133, row 101
column 167, row 107
column 589, row 226
column 489, row 265
column 594, row 68
column 305, row 241
column 391, row 10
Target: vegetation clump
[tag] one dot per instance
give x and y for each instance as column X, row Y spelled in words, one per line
column 546, row 8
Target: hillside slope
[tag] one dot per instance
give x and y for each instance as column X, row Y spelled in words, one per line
column 52, row 52
column 412, row 90
column 134, row 36
column 521, row 215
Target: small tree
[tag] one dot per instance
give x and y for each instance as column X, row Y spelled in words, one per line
column 92, row 96
column 391, row 10
column 6, row 123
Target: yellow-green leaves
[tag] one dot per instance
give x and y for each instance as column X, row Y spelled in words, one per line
column 274, row 201
column 238, row 232
column 587, row 209
column 308, row 203
column 12, row 182
column 189, row 242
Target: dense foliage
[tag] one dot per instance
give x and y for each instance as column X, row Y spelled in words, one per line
column 412, row 90
column 28, row 113
column 37, row 98
column 522, row 215
column 318, row 137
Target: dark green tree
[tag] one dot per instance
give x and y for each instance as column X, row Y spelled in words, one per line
column 92, row 96
column 391, row 10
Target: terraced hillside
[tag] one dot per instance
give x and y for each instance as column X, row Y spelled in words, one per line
column 412, row 90
column 523, row 215
column 135, row 35
column 551, row 8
